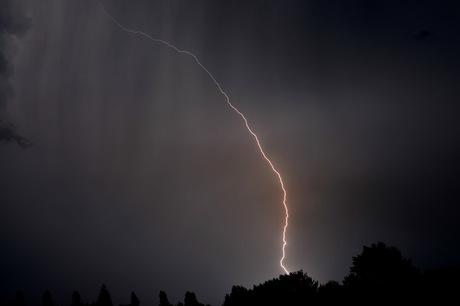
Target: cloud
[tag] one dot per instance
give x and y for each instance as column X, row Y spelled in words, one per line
column 14, row 23
column 13, row 17
column 8, row 134
column 426, row 36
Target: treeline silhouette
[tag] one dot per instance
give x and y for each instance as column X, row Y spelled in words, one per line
column 380, row 275
column 104, row 299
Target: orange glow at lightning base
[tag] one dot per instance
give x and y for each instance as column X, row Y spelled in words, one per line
column 231, row 105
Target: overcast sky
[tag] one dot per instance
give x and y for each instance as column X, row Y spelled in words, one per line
column 141, row 176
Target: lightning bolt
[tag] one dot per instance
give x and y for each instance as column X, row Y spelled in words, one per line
column 286, row 223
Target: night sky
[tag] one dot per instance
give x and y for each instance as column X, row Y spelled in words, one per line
column 120, row 161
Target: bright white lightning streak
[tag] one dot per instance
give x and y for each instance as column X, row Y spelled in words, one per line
column 231, row 105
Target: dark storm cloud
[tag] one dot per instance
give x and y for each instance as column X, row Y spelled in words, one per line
column 426, row 36
column 13, row 17
column 14, row 23
column 8, row 134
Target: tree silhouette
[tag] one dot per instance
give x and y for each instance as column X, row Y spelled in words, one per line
column 238, row 296
column 134, row 300
column 440, row 287
column 46, row 299
column 104, row 298
column 76, row 299
column 164, row 299
column 380, row 272
column 20, row 301
column 190, row 299
column 295, row 288
column 331, row 293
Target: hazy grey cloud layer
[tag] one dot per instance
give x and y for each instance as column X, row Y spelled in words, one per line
column 14, row 23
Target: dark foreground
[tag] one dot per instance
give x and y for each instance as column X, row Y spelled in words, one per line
column 380, row 275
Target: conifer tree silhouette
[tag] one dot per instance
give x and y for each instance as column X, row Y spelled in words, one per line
column 20, row 301
column 104, row 298
column 164, row 299
column 47, row 300
column 76, row 299
column 134, row 300
column 190, row 299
